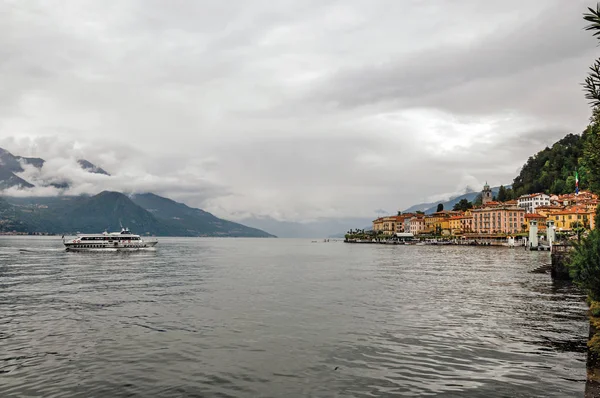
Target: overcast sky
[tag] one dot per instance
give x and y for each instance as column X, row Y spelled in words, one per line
column 296, row 109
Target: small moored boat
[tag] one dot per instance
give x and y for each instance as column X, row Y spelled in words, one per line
column 123, row 240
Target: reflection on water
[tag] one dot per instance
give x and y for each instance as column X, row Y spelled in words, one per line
column 243, row 317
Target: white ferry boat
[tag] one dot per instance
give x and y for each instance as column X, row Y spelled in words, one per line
column 123, row 240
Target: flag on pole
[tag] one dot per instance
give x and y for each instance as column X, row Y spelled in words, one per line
column 576, row 183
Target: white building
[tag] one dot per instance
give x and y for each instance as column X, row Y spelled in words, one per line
column 406, row 225
column 533, row 201
column 416, row 225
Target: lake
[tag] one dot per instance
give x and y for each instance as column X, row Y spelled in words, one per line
column 279, row 317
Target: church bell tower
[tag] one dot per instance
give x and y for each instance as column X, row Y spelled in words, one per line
column 486, row 194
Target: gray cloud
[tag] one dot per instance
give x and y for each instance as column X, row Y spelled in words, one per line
column 292, row 109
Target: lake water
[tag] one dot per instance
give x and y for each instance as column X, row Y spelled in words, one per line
column 277, row 317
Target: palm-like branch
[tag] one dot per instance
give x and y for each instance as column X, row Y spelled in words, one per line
column 593, row 17
column 592, row 84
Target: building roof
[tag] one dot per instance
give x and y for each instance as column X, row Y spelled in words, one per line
column 549, row 207
column 574, row 210
column 491, row 203
column 499, row 207
column 532, row 195
column 533, row 215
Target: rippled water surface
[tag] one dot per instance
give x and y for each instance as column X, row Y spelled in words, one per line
column 276, row 317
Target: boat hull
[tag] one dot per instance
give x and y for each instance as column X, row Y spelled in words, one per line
column 109, row 247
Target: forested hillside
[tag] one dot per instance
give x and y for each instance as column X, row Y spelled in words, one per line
column 553, row 169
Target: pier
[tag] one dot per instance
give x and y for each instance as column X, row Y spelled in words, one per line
column 560, row 261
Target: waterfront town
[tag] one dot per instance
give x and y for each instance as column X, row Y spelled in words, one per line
column 494, row 220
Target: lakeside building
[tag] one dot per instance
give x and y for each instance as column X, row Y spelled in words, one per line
column 573, row 217
column 550, row 209
column 541, row 222
column 461, row 224
column 439, row 222
column 583, row 197
column 498, row 218
column 416, row 224
column 392, row 224
column 531, row 202
column 401, row 222
column 385, row 224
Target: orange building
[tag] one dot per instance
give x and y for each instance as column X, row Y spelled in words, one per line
column 541, row 221
column 461, row 224
column 401, row 221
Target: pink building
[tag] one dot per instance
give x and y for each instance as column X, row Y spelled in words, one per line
column 500, row 219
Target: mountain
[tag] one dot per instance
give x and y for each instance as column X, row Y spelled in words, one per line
column 10, row 165
column 193, row 221
column 321, row 228
column 105, row 211
column 8, row 179
column 110, row 211
column 143, row 213
column 430, row 208
column 13, row 163
column 92, row 168
column 420, row 207
column 10, row 219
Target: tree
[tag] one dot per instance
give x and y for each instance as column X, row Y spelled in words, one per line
column 591, row 152
column 420, row 212
column 501, row 197
column 462, row 205
column 542, row 171
column 510, row 194
column 585, row 265
column 585, row 260
column 399, row 213
column 570, row 184
column 558, row 187
column 592, row 82
column 440, row 207
column 478, row 200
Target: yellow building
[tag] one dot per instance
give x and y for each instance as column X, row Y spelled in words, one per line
column 461, row 224
column 541, row 221
column 570, row 218
column 548, row 210
column 385, row 224
column 378, row 224
column 455, row 225
column 438, row 223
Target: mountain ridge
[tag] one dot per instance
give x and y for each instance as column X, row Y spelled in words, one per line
column 108, row 210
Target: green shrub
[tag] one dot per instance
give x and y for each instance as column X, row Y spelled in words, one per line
column 594, row 308
column 594, row 344
column 585, row 265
